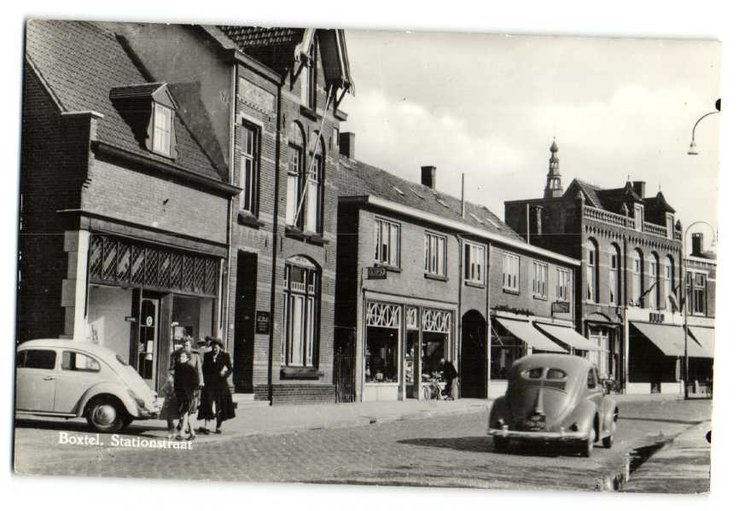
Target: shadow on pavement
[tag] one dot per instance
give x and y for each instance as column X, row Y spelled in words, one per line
column 483, row 444
column 656, row 419
column 82, row 426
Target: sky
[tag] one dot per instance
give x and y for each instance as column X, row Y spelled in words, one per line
column 489, row 106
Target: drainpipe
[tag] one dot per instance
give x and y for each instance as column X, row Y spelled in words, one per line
column 460, row 294
column 224, row 323
column 488, row 318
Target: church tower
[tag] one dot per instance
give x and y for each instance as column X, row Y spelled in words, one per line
column 553, row 178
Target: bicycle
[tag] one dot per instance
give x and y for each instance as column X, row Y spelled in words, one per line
column 432, row 389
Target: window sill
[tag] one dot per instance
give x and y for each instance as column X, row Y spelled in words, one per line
column 248, row 219
column 510, row 291
column 541, row 298
column 433, row 276
column 388, row 267
column 382, row 383
column 309, row 113
column 478, row 285
column 300, row 373
column 307, row 236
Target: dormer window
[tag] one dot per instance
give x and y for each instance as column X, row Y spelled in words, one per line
column 162, row 128
column 670, row 225
column 638, row 216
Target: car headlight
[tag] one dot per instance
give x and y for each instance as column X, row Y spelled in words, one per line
column 574, row 427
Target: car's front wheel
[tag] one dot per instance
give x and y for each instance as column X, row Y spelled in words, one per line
column 106, row 415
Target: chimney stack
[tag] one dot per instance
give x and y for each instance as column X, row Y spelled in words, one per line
column 429, row 174
column 697, row 243
column 639, row 188
column 346, row 144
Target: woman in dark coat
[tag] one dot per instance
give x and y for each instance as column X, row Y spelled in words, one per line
column 217, row 403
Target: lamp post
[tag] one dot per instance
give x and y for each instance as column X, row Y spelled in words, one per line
column 625, row 354
column 692, row 149
column 684, row 301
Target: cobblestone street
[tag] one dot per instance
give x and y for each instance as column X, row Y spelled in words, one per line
column 438, row 451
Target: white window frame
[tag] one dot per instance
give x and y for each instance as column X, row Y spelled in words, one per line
column 563, row 284
column 638, row 217
column 474, row 257
column 294, row 172
column 435, row 254
column 614, row 267
column 387, row 243
column 300, row 333
column 511, row 272
column 670, row 225
column 591, row 274
column 162, row 129
column 540, row 280
column 249, row 174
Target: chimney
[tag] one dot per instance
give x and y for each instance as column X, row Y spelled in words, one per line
column 346, row 144
column 429, row 174
column 639, row 188
column 697, row 243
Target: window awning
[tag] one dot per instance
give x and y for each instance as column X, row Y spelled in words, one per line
column 527, row 333
column 568, row 336
column 669, row 339
column 705, row 337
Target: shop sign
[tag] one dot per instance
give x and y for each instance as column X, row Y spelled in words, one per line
column 560, row 307
column 376, row 272
column 656, row 317
column 263, row 322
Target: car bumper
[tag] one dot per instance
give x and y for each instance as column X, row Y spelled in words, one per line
column 550, row 436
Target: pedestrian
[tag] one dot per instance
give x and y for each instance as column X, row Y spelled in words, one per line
column 195, row 361
column 169, row 412
column 185, row 386
column 216, row 403
column 448, row 374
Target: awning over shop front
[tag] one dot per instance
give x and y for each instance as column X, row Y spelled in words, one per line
column 705, row 337
column 669, row 339
column 527, row 333
column 568, row 336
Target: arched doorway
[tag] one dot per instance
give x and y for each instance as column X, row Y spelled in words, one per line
column 473, row 382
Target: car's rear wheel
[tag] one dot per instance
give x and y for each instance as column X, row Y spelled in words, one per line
column 106, row 415
column 588, row 446
column 608, row 441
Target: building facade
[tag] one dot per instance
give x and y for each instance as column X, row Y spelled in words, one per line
column 123, row 235
column 272, row 98
column 629, row 288
column 429, row 276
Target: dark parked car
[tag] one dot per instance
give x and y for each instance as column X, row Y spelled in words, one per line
column 554, row 399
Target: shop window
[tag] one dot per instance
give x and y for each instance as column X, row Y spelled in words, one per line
column 249, row 173
column 383, row 322
column 387, row 243
column 474, row 263
column 563, row 282
column 301, row 291
column 505, row 349
column 540, row 280
column 75, row 361
column 434, row 254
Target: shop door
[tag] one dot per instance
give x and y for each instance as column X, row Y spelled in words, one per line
column 473, row 356
column 147, row 345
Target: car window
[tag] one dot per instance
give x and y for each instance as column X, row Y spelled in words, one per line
column 534, row 373
column 591, row 380
column 75, row 361
column 21, row 359
column 555, row 374
column 40, row 359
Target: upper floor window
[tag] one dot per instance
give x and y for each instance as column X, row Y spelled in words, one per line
column 511, row 272
column 312, row 203
column 434, row 254
column 307, row 79
column 294, row 174
column 563, row 282
column 162, row 127
column 540, row 279
column 249, row 174
column 696, row 293
column 653, row 289
column 670, row 225
column 474, row 263
column 387, row 242
column 614, row 276
column 637, row 278
column 638, row 217
column 668, row 290
column 592, row 271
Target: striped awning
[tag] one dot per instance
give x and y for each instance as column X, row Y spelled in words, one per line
column 670, row 340
column 568, row 336
column 526, row 332
column 705, row 337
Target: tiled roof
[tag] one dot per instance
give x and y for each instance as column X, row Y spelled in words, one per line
column 590, row 191
column 81, row 63
column 272, row 46
column 359, row 179
column 659, row 202
column 610, row 199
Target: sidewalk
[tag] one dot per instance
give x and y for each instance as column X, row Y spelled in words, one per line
column 683, row 466
column 254, row 419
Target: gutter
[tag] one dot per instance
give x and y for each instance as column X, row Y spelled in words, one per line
column 458, row 226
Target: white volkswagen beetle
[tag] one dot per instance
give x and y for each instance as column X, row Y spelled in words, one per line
column 64, row 378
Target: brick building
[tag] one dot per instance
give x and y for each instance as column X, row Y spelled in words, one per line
column 123, row 235
column 267, row 93
column 629, row 287
column 426, row 276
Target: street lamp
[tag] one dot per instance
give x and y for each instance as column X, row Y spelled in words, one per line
column 684, row 301
column 692, row 149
